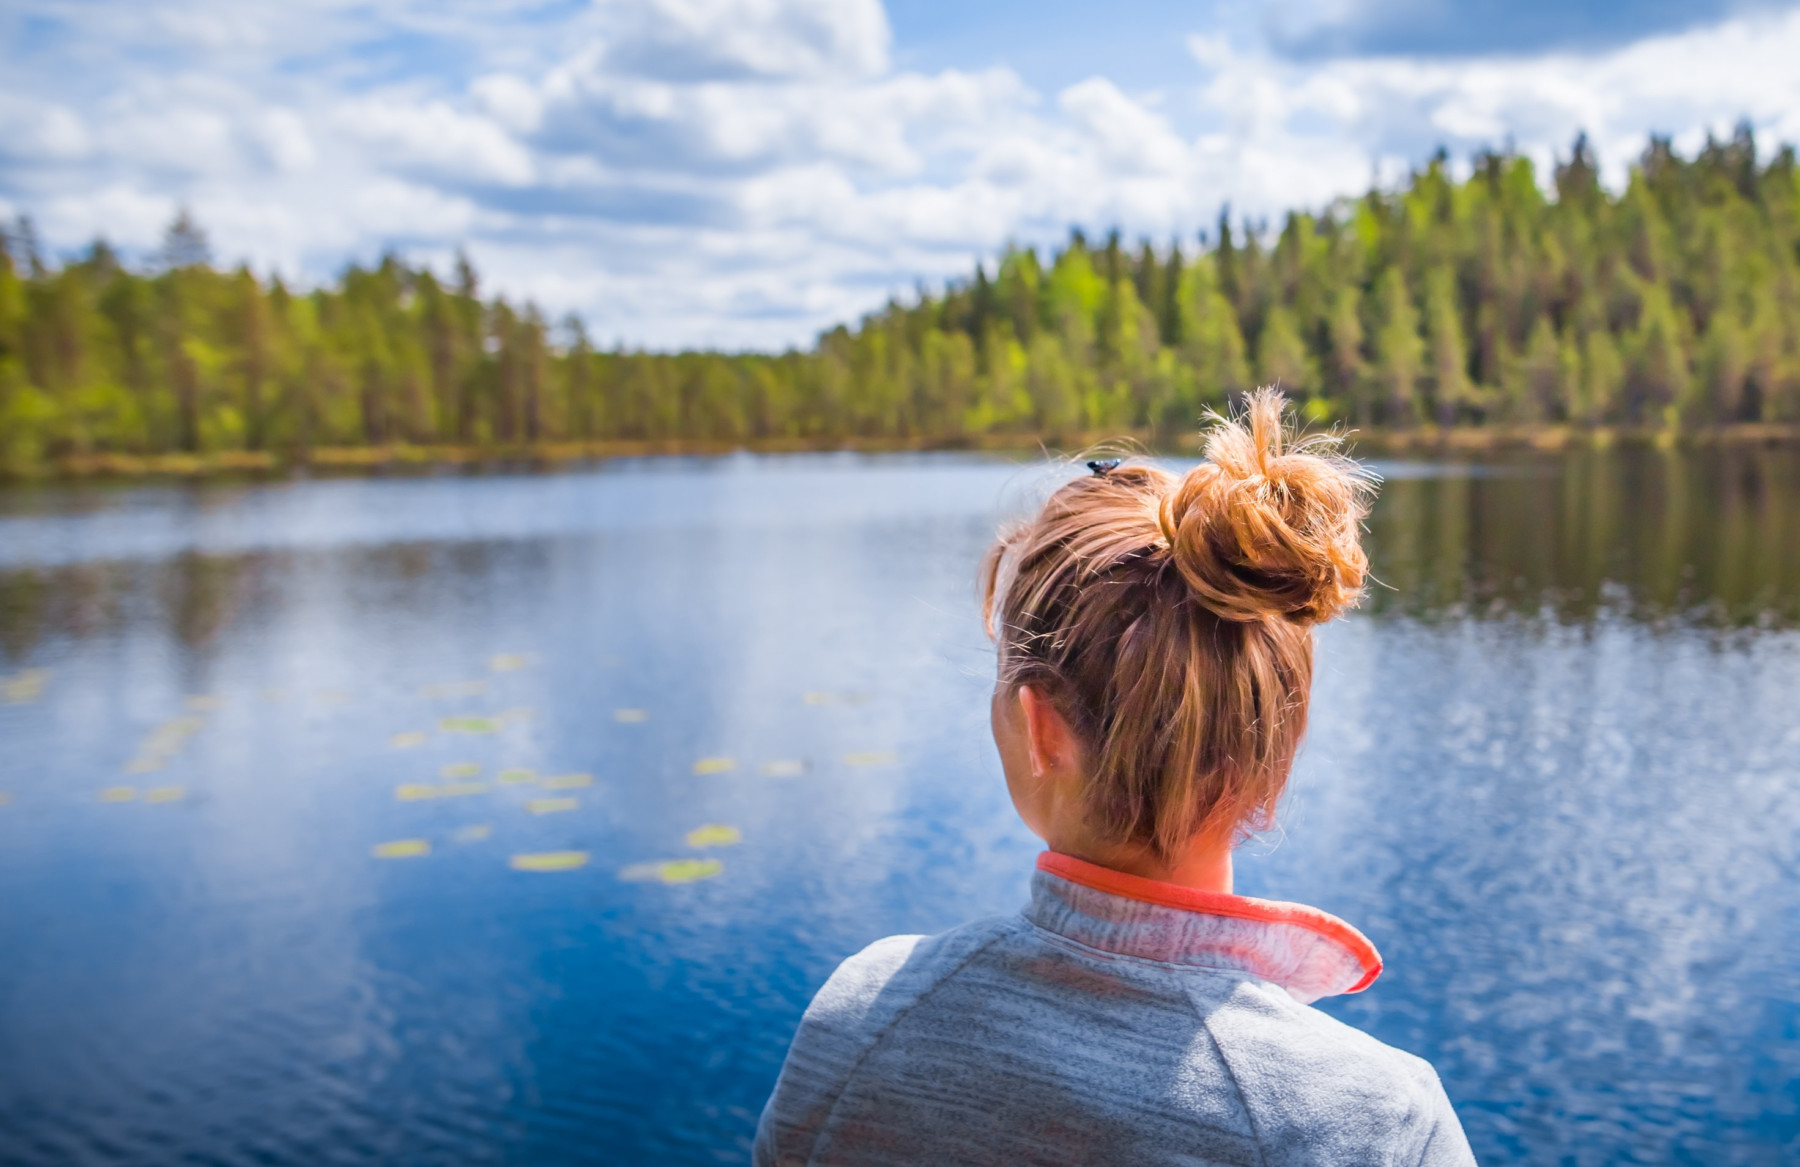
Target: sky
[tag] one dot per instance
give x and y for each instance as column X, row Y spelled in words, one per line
column 744, row 173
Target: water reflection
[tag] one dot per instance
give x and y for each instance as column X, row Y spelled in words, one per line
column 1711, row 535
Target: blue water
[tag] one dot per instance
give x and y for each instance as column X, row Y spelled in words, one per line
column 1561, row 799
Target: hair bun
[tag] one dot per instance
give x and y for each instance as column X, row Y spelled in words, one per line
column 1269, row 525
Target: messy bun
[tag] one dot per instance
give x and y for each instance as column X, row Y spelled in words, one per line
column 1169, row 619
column 1268, row 525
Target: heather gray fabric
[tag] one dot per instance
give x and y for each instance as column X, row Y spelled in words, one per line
column 1094, row 1029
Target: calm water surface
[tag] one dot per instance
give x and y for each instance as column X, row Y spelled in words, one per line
column 1552, row 773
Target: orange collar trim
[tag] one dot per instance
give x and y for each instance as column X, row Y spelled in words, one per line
column 1215, row 903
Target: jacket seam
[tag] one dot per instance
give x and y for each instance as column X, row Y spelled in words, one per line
column 1425, row 1150
column 882, row 1035
column 1231, row 1076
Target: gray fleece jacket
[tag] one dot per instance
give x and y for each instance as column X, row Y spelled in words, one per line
column 1116, row 1020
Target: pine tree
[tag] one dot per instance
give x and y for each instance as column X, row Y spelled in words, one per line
column 1399, row 350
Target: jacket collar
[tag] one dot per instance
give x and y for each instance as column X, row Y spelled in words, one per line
column 1310, row 953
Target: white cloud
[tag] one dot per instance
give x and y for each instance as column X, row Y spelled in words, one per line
column 284, row 139
column 695, row 40
column 133, row 217
column 38, row 130
column 433, row 136
column 745, row 172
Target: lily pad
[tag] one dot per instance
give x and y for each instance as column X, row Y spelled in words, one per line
column 416, row 791
column 173, row 733
column 550, row 861
column 715, row 765
column 672, row 870
column 714, row 835
column 407, row 741
column 118, row 794
column 474, row 833
column 517, row 775
column 568, row 782
column 401, row 849
column 461, row 789
column 165, row 794
column 782, row 768
column 470, row 725
column 508, row 662
column 143, row 765
column 23, row 687
column 872, row 758
column 631, row 716
column 460, row 770
column 552, row 805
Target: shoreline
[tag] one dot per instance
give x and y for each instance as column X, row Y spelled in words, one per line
column 404, row 457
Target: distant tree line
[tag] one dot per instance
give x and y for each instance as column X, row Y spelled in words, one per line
column 1674, row 304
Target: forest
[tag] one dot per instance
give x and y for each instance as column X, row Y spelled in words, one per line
column 1499, row 301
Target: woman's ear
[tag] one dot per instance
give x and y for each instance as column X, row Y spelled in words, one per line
column 1049, row 740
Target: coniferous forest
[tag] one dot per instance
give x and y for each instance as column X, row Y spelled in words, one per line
column 1501, row 301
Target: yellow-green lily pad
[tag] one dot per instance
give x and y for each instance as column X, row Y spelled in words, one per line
column 715, row 765
column 416, row 791
column 552, row 805
column 672, row 870
column 631, row 716
column 407, row 741
column 165, row 794
column 714, row 835
column 118, row 794
column 401, row 849
column 473, row 833
column 782, row 768
column 550, row 861
column 508, row 662
column 144, row 765
column 470, row 725
column 568, row 781
column 461, row 789
column 24, row 686
column 460, row 770
column 517, row 775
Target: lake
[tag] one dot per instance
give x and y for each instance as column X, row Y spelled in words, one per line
column 514, row 818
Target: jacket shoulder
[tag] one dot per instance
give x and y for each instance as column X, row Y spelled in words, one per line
column 868, row 994
column 1319, row 1091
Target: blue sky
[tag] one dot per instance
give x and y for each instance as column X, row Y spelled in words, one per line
column 743, row 173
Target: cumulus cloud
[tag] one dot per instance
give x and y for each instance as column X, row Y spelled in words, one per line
column 746, row 172
column 721, row 40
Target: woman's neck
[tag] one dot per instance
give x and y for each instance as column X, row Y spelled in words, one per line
column 1204, row 865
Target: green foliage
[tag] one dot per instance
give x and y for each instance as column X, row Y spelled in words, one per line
column 1675, row 303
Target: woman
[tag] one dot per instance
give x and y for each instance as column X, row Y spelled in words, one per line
column 1155, row 656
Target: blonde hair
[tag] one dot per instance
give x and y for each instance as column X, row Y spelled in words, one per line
column 1169, row 620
